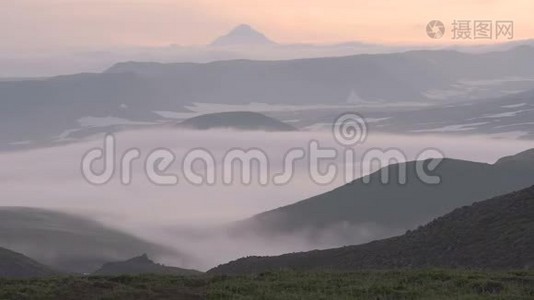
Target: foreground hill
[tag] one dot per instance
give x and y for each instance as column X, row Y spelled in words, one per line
column 16, row 265
column 141, row 265
column 69, row 242
column 492, row 234
column 242, row 120
column 393, row 207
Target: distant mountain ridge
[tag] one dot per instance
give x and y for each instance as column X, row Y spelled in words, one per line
column 131, row 93
column 141, row 265
column 492, row 234
column 394, row 77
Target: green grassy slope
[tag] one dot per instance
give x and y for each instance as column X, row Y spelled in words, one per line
column 423, row 284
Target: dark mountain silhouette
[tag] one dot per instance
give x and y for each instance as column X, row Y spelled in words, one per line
column 16, row 265
column 394, row 206
column 141, row 265
column 492, row 234
column 243, row 35
column 68, row 242
column 242, row 120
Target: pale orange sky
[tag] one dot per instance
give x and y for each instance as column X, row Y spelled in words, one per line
column 53, row 24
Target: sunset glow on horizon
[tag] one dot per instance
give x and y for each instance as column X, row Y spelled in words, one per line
column 37, row 24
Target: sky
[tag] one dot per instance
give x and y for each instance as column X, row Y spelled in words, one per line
column 37, row 25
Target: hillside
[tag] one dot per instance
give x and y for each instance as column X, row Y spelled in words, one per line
column 16, row 265
column 141, row 265
column 393, row 207
column 525, row 157
column 68, row 242
column 492, row 234
column 242, row 120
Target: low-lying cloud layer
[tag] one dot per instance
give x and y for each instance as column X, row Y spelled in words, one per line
column 186, row 216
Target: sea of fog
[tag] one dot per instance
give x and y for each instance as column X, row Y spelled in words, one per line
column 186, row 216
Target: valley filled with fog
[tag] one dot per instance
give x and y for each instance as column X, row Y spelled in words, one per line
column 194, row 218
column 197, row 149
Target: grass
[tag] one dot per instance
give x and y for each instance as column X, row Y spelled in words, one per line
column 404, row 284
